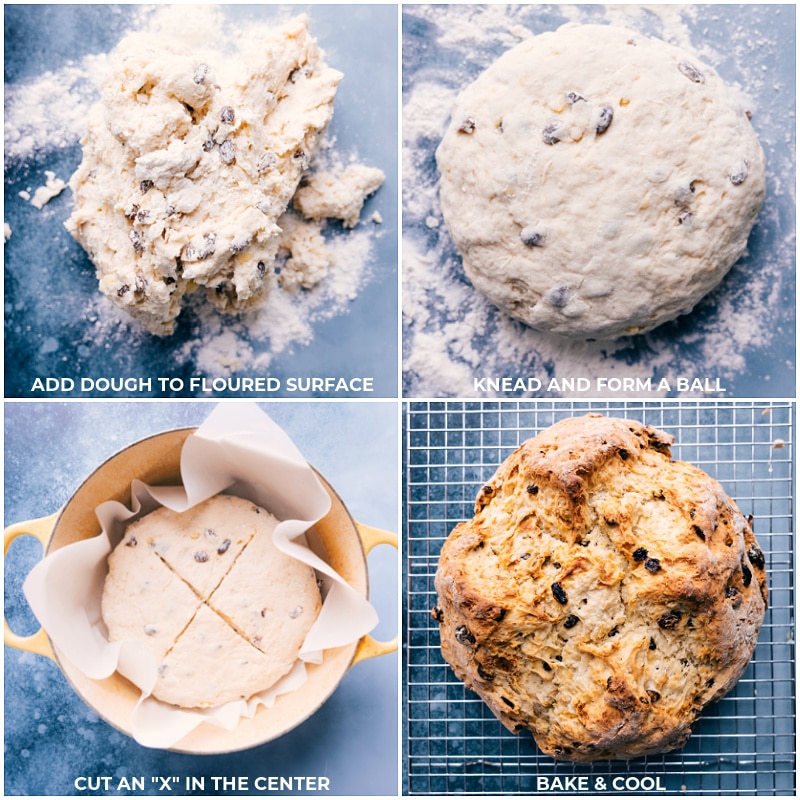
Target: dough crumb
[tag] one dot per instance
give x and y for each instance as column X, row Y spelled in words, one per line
column 308, row 259
column 329, row 196
column 6, row 231
column 52, row 188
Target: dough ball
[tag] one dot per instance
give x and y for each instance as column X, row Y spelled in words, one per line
column 598, row 182
column 603, row 594
column 222, row 611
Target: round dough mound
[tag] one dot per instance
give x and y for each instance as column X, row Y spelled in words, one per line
column 603, row 594
column 223, row 612
column 599, row 183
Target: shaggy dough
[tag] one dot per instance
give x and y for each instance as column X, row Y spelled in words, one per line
column 308, row 258
column 603, row 593
column 188, row 165
column 598, row 182
column 327, row 195
column 223, row 612
column 322, row 195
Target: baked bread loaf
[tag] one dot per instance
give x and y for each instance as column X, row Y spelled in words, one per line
column 223, row 611
column 603, row 594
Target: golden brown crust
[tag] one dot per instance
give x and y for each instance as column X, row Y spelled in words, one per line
column 602, row 594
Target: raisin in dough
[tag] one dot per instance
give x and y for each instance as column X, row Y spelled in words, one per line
column 200, row 544
column 598, row 182
column 223, row 612
column 188, row 165
column 144, row 599
column 602, row 594
column 274, row 621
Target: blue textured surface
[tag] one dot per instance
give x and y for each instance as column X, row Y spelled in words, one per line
column 52, row 737
column 50, row 284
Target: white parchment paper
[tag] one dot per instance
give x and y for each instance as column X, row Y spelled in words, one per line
column 238, row 450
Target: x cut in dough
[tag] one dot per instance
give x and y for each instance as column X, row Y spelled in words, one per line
column 222, row 611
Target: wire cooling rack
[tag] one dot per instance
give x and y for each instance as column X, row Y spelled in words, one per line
column 742, row 745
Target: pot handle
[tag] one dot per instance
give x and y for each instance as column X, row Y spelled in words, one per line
column 369, row 647
column 40, row 529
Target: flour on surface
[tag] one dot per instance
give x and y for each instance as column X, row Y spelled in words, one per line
column 285, row 321
column 49, row 111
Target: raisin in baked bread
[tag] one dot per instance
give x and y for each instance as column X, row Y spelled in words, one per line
column 603, row 594
column 223, row 612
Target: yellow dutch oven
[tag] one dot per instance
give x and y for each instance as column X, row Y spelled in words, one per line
column 156, row 460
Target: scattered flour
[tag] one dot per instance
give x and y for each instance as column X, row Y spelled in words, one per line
column 452, row 335
column 219, row 345
column 49, row 111
column 286, row 320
